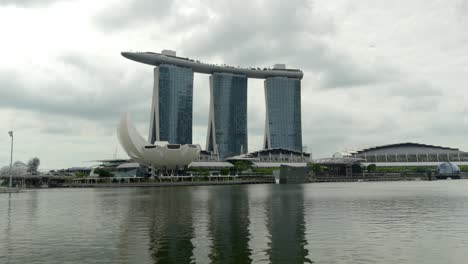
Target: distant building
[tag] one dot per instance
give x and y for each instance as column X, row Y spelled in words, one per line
column 207, row 156
column 119, row 168
column 227, row 128
column 171, row 111
column 274, row 158
column 78, row 170
column 339, row 165
column 283, row 113
column 171, row 114
column 213, row 166
column 160, row 155
column 407, row 153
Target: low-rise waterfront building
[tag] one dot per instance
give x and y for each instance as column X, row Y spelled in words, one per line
column 119, row 168
column 407, row 153
column 274, row 158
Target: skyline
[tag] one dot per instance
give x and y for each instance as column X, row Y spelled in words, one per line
column 370, row 77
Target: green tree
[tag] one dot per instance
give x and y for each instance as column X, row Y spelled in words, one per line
column 241, row 165
column 103, row 172
column 33, row 164
column 371, row 168
column 316, row 168
column 224, row 171
column 356, row 168
column 81, row 175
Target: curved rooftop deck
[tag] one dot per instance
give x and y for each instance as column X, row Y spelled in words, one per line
column 157, row 59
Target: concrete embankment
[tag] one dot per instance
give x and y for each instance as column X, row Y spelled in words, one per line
column 373, row 177
column 168, row 184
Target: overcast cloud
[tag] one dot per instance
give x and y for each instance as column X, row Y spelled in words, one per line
column 376, row 72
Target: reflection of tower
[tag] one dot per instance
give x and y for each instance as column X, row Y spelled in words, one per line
column 9, row 248
column 172, row 105
column 227, row 127
column 171, row 229
column 283, row 113
column 130, row 247
column 229, row 225
column 286, row 224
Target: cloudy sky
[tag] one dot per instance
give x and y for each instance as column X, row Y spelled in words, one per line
column 376, row 71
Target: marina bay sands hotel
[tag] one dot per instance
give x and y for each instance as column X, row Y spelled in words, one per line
column 172, row 105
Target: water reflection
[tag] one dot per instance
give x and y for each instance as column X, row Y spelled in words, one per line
column 171, row 229
column 258, row 217
column 8, row 245
column 286, row 224
column 201, row 240
column 213, row 224
column 229, row 225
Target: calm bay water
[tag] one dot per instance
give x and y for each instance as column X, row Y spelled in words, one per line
column 384, row 222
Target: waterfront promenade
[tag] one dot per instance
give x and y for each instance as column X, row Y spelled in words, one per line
column 167, row 181
column 121, row 184
column 116, row 182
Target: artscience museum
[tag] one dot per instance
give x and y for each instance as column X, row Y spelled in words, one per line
column 159, row 154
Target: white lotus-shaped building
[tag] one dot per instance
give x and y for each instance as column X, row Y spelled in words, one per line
column 160, row 155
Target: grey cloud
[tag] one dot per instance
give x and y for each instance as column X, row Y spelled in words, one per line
column 57, row 130
column 255, row 28
column 464, row 110
column 200, row 116
column 335, row 70
column 28, row 3
column 256, row 122
column 333, row 127
column 90, row 92
column 414, row 96
column 130, row 13
column 408, row 88
column 462, row 7
column 444, row 127
column 250, row 33
column 279, row 31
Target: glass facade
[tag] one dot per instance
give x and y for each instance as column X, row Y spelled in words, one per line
column 227, row 133
column 283, row 110
column 175, row 105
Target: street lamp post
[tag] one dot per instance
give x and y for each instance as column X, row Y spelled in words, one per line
column 11, row 158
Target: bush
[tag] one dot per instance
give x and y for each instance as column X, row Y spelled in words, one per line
column 405, row 169
column 316, row 168
column 81, row 175
column 268, row 171
column 371, row 168
column 224, row 171
column 103, row 172
column 356, row 168
column 242, row 165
